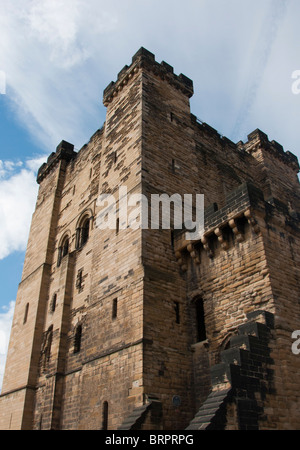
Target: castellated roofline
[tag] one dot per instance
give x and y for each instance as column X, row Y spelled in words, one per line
column 189, row 306
column 145, row 59
column 64, row 150
column 258, row 139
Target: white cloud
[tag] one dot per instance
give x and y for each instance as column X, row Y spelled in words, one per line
column 257, row 63
column 35, row 164
column 58, row 56
column 18, row 190
column 52, row 55
column 5, row 327
column 17, row 198
column 54, row 24
column 8, row 167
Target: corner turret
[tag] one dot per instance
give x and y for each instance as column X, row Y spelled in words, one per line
column 64, row 150
column 145, row 59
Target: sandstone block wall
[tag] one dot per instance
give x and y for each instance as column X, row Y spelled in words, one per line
column 123, row 327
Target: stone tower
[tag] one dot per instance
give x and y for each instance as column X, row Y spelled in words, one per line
column 139, row 327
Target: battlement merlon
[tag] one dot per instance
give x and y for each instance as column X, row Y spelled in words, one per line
column 145, row 59
column 64, row 150
column 258, row 139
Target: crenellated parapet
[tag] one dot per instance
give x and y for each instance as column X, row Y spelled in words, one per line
column 246, row 204
column 240, row 208
column 64, row 150
column 143, row 59
column 209, row 131
column 258, row 139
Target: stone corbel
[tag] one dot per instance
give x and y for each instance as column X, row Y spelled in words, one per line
column 252, row 221
column 193, row 253
column 209, row 251
column 180, row 261
column 224, row 244
column 236, row 231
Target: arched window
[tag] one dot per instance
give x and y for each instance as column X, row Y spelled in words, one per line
column 65, row 247
column 105, row 416
column 77, row 339
column 63, row 250
column 83, row 231
column 200, row 319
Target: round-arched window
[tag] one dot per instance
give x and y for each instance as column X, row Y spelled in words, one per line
column 83, row 231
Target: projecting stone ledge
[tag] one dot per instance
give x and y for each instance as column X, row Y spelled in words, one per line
column 241, row 204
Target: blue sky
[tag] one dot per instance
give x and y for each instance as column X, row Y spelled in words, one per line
column 59, row 55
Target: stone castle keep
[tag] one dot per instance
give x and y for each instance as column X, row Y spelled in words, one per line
column 140, row 328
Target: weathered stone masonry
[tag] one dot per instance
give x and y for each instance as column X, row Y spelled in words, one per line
column 143, row 329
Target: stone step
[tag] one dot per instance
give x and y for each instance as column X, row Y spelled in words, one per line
column 209, row 410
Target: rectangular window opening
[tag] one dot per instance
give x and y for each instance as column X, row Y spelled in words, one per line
column 177, row 311
column 79, row 279
column 200, row 318
column 115, row 308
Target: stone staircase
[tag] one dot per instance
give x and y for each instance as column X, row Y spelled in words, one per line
column 212, row 413
column 146, row 415
column 242, row 379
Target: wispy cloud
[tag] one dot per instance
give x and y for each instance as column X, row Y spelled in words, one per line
column 53, row 24
column 257, row 62
column 58, row 55
column 7, row 167
column 47, row 50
